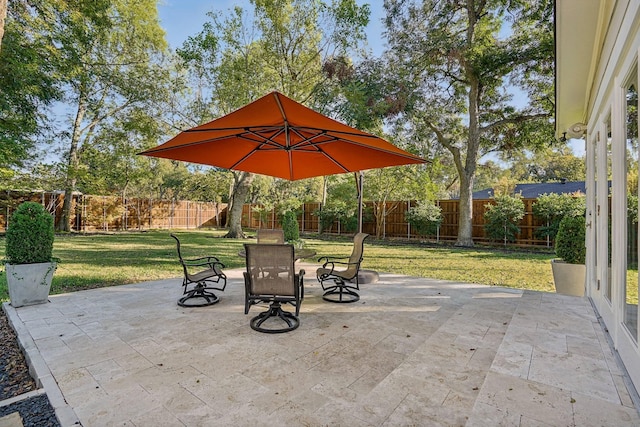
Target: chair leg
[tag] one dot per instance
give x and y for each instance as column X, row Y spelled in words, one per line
column 199, row 296
column 340, row 293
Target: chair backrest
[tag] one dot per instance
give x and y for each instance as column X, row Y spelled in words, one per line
column 271, row 269
column 177, row 247
column 272, row 235
column 356, row 254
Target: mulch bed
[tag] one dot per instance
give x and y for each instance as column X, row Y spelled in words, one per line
column 14, row 372
column 15, row 380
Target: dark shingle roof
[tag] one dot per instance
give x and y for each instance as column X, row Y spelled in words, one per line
column 533, row 191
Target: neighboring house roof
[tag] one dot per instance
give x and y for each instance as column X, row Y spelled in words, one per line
column 533, row 191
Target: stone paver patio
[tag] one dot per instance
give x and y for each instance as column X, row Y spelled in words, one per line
column 411, row 352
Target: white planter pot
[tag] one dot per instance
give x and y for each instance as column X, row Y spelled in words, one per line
column 29, row 283
column 568, row 278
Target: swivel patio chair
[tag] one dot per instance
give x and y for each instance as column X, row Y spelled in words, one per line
column 199, row 283
column 270, row 278
column 270, row 235
column 342, row 274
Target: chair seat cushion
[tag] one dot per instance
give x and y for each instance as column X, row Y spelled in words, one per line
column 205, row 274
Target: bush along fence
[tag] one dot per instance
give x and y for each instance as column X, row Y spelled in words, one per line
column 395, row 224
column 111, row 213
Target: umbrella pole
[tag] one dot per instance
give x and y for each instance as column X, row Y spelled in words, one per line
column 359, row 181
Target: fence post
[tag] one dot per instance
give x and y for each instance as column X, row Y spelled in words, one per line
column 439, row 224
column 408, row 225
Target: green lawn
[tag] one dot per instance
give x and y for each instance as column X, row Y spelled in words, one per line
column 96, row 260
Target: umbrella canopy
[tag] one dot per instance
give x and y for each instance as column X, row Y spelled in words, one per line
column 280, row 137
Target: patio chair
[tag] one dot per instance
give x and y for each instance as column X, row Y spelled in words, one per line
column 273, row 235
column 342, row 274
column 199, row 283
column 271, row 278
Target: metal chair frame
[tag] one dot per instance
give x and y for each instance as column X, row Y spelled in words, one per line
column 342, row 290
column 204, row 282
column 271, row 278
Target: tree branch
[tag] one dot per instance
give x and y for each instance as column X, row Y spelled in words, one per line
column 514, row 120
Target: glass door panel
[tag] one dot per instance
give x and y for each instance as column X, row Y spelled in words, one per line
column 631, row 283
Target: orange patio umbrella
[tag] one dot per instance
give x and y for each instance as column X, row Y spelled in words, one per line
column 280, row 137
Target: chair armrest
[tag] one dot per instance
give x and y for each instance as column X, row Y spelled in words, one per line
column 329, row 258
column 331, row 265
column 300, row 279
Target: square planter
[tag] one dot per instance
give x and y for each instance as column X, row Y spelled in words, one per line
column 29, row 283
column 568, row 278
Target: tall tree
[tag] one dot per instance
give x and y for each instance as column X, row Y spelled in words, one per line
column 282, row 46
column 458, row 61
column 109, row 68
column 3, row 16
column 28, row 83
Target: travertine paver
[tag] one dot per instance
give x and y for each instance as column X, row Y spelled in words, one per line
column 412, row 351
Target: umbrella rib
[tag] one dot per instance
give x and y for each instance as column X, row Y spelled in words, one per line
column 287, row 135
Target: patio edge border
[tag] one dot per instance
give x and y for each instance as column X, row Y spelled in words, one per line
column 40, row 371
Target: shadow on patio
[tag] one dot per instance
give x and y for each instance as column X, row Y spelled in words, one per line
column 412, row 351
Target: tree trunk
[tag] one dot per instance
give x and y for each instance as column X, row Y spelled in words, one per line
column 238, row 198
column 3, row 16
column 72, row 167
column 465, row 215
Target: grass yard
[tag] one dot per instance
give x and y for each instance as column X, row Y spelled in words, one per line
column 96, row 260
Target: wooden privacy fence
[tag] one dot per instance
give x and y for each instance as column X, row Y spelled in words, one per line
column 395, row 225
column 110, row 213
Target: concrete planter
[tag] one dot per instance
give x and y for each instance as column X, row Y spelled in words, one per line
column 568, row 278
column 29, row 283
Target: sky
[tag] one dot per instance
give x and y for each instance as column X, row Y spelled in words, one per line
column 184, row 18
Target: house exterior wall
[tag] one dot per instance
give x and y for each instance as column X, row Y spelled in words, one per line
column 612, row 276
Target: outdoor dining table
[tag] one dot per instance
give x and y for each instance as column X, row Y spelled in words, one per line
column 299, row 253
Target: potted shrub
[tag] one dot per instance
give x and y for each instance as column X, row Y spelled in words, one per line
column 569, row 270
column 29, row 264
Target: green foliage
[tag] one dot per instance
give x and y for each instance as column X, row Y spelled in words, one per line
column 27, row 81
column 632, row 208
column 333, row 212
column 290, row 226
column 30, row 235
column 424, row 218
column 553, row 207
column 501, row 218
column 570, row 240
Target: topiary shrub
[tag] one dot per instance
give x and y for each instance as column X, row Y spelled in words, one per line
column 30, row 235
column 570, row 240
column 290, row 226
